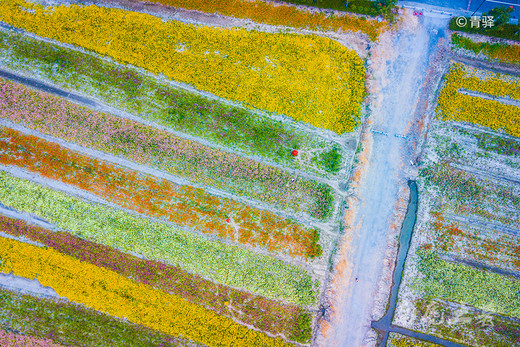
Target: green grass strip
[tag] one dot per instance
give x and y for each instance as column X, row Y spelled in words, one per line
column 222, row 263
column 502, row 52
column 463, row 284
column 158, row 101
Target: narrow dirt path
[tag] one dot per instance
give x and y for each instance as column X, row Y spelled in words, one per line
column 400, row 65
column 507, row 101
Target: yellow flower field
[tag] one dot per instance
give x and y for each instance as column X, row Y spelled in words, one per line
column 308, row 78
column 106, row 291
column 455, row 106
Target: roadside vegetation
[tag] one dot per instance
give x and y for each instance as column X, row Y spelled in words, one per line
column 366, row 7
column 501, row 27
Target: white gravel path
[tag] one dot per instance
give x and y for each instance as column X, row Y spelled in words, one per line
column 400, row 65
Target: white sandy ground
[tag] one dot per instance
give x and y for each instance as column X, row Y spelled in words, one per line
column 26, row 286
column 399, row 71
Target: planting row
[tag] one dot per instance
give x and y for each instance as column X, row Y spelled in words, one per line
column 309, row 78
column 280, row 14
column 163, row 150
column 460, row 283
column 158, row 101
column 104, row 290
column 455, row 106
column 145, row 194
column 228, row 265
column 465, row 194
column 504, row 53
column 467, row 77
column 264, row 314
column 461, row 323
column 474, row 244
column 59, row 321
column 497, row 144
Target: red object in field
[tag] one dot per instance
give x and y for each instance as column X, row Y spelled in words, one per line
column 420, row 13
column 294, row 153
column 228, row 220
column 415, row 13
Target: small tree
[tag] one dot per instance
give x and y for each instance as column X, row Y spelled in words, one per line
column 386, row 8
column 501, row 14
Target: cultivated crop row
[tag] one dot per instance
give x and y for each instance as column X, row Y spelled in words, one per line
column 308, row 78
column 281, row 14
column 456, row 106
column 106, row 291
column 501, row 52
column 225, row 264
column 264, row 314
column 156, row 100
column 184, row 205
column 148, row 145
column 58, row 322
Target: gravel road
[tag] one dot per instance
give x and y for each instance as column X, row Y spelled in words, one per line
column 400, row 65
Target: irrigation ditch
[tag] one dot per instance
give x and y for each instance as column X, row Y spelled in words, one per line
column 384, row 326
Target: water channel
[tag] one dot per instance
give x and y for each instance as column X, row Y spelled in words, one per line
column 384, row 325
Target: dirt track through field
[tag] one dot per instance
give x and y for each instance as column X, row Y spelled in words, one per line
column 507, row 101
column 400, row 65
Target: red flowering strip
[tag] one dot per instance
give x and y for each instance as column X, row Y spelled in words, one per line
column 183, row 205
column 264, row 314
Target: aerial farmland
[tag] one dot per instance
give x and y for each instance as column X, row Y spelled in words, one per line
column 259, row 173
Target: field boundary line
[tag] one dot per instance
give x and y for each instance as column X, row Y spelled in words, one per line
column 501, row 99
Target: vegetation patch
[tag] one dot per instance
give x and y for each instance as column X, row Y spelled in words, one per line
column 63, row 323
column 262, row 313
column 181, row 110
column 309, row 78
column 160, row 149
column 460, row 283
column 502, row 52
column 225, row 264
column 464, row 324
column 397, row 340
